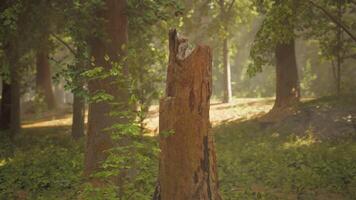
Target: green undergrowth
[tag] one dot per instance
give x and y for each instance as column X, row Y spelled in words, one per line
column 38, row 166
column 255, row 162
column 259, row 162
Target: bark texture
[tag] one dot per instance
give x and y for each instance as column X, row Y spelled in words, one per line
column 5, row 109
column 187, row 169
column 43, row 77
column 78, row 117
column 287, row 88
column 99, row 118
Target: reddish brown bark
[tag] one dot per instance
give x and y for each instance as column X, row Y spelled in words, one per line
column 187, row 169
column 99, row 118
column 287, row 88
column 43, row 77
column 5, row 109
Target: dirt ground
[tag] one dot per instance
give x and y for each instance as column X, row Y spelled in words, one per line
column 238, row 109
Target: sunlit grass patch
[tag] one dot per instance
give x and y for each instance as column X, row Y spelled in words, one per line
column 260, row 163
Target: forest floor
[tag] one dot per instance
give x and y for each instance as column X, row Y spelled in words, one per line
column 310, row 153
column 238, row 109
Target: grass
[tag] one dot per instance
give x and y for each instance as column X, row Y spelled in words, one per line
column 255, row 160
column 255, row 163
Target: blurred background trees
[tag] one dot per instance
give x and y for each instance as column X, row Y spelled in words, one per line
column 107, row 59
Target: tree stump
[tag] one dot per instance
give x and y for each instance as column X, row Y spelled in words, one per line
column 187, row 168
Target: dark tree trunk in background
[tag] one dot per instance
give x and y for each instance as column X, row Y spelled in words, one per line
column 15, row 124
column 339, row 38
column 287, row 88
column 44, row 77
column 187, row 167
column 227, row 73
column 78, row 117
column 116, row 28
column 5, row 115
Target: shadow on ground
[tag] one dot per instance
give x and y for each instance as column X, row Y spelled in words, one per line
column 307, row 155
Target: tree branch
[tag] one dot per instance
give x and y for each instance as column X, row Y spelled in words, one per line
column 230, row 7
column 334, row 19
column 65, row 44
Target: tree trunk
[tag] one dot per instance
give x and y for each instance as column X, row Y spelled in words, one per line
column 15, row 116
column 224, row 12
column 43, row 77
column 78, row 117
column 287, row 88
column 5, row 109
column 99, row 118
column 227, row 73
column 187, row 167
column 339, row 38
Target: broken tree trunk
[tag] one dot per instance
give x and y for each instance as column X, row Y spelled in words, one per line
column 187, row 169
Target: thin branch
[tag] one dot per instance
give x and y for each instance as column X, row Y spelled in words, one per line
column 65, row 44
column 221, row 4
column 334, row 19
column 230, row 7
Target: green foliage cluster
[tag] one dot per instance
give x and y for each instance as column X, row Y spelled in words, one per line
column 132, row 164
column 40, row 169
column 279, row 24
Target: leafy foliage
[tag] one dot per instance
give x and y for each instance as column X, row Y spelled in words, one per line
column 42, row 172
column 133, row 163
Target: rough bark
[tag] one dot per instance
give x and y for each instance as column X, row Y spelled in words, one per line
column 287, row 88
column 78, row 117
column 187, row 167
column 43, row 77
column 99, row 118
column 5, row 109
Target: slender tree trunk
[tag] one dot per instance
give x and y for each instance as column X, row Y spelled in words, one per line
column 287, row 88
column 338, row 76
column 227, row 95
column 15, row 124
column 227, row 73
column 43, row 77
column 78, row 123
column 5, row 115
column 187, row 167
column 339, row 49
column 116, row 28
column 78, row 119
